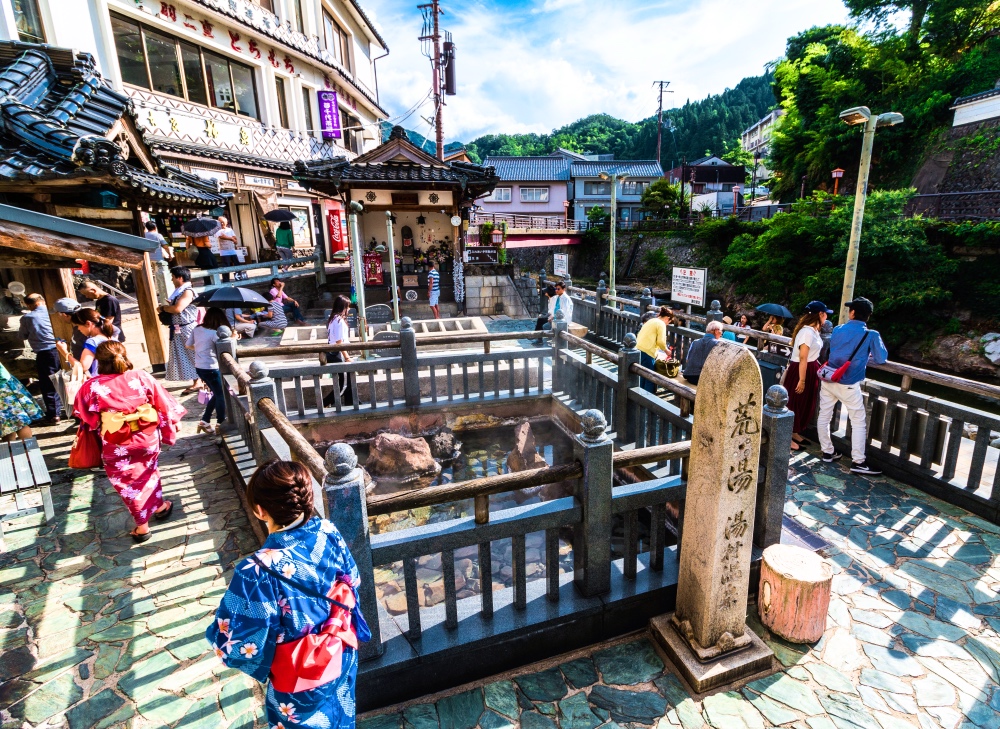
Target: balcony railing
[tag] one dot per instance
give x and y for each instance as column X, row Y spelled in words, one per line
column 531, row 222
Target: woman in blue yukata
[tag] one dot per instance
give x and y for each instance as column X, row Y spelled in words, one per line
column 291, row 614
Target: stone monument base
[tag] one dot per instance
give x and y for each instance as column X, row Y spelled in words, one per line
column 748, row 661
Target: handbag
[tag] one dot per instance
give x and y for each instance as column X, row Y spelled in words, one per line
column 315, row 659
column 828, row 374
column 204, row 395
column 166, row 318
column 86, row 450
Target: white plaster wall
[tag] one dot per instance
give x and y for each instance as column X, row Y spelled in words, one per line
column 977, row 111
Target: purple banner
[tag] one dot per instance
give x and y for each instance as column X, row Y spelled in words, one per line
column 329, row 114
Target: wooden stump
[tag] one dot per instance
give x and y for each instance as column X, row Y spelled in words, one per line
column 794, row 595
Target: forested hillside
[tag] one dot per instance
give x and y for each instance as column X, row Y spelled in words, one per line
column 698, row 126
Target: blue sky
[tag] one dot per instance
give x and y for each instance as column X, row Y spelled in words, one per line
column 534, row 65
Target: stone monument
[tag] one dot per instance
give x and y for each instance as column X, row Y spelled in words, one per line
column 706, row 637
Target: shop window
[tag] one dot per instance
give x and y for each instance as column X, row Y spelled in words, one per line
column 279, row 89
column 161, row 52
column 307, row 109
column 153, row 60
column 353, row 137
column 194, row 74
column 338, row 42
column 534, row 194
column 131, row 53
column 29, row 21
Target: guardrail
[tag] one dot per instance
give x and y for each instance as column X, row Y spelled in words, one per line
column 214, row 275
column 531, row 222
column 921, row 438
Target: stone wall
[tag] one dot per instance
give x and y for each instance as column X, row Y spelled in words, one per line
column 483, row 293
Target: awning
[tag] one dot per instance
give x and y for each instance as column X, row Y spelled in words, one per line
column 542, row 242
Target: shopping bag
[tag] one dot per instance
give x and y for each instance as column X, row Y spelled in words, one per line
column 204, row 395
column 67, row 384
column 86, row 450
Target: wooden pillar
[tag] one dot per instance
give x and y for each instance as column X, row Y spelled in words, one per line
column 157, row 345
column 57, row 283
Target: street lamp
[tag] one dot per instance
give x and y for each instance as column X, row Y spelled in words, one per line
column 837, row 174
column 854, row 116
column 357, row 268
column 614, row 179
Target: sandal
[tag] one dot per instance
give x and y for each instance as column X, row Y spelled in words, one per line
column 795, row 447
column 189, row 390
column 140, row 538
column 165, row 514
column 204, row 427
column 803, row 441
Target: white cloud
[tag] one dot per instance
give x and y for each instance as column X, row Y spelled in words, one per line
column 532, row 67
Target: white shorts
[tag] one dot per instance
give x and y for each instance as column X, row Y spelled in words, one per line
column 434, row 297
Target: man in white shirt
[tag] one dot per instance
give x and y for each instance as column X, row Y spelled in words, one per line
column 227, row 241
column 561, row 302
column 160, row 259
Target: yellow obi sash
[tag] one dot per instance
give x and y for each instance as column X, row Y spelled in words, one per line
column 112, row 422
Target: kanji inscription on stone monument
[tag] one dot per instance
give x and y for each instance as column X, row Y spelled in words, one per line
column 709, row 623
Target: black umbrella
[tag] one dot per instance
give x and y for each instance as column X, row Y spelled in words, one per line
column 201, row 227
column 775, row 310
column 229, row 297
column 280, row 216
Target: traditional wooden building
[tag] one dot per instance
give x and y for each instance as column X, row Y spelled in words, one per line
column 70, row 146
column 430, row 202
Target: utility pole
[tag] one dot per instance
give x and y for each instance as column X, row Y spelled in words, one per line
column 431, row 38
column 659, row 120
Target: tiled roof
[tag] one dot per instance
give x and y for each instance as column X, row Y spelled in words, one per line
column 530, row 169
column 391, row 171
column 632, row 168
column 330, row 176
column 203, row 150
column 421, row 142
column 55, row 116
column 975, row 97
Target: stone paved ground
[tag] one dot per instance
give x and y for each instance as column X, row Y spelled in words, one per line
column 98, row 632
column 913, row 637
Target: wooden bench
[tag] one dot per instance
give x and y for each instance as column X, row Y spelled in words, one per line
column 22, row 469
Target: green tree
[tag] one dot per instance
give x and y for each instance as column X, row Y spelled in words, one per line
column 664, row 199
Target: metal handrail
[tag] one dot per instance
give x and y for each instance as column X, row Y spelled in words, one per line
column 117, row 291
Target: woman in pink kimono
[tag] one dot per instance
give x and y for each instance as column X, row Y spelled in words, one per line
column 134, row 414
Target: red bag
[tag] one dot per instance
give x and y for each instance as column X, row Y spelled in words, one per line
column 315, row 659
column 86, row 450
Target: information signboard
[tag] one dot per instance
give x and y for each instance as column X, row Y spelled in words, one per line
column 688, row 286
column 560, row 264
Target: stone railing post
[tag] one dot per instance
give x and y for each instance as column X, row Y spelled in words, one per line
column 602, row 289
column 714, row 312
column 776, row 423
column 408, row 354
column 261, row 386
column 645, row 301
column 559, row 326
column 226, row 344
column 345, row 501
column 625, row 410
column 592, row 537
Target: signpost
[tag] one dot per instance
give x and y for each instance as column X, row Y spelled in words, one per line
column 560, row 264
column 688, row 286
column 329, row 114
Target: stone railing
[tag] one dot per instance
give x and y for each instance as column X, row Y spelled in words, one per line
column 462, row 638
column 938, row 439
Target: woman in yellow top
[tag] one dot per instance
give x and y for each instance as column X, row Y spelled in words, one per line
column 651, row 340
